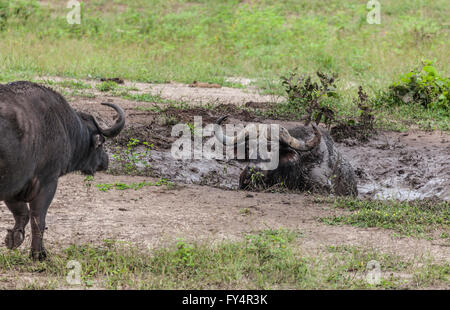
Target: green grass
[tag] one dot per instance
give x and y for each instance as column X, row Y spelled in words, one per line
column 268, row 259
column 105, row 187
column 153, row 108
column 397, row 272
column 74, row 84
column 107, row 86
column 210, row 40
column 402, row 118
column 146, row 98
column 418, row 218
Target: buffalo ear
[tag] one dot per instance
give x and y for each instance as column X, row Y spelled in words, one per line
column 97, row 141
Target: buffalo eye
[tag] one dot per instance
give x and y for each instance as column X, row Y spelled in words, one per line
column 97, row 140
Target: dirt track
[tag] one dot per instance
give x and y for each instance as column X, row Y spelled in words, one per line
column 157, row 215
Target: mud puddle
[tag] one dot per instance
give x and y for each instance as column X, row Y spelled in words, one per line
column 389, row 166
column 217, row 173
column 404, row 166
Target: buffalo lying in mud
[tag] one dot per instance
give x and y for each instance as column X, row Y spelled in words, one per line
column 308, row 161
column 41, row 139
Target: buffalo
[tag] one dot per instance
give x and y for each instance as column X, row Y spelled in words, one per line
column 41, row 139
column 308, row 161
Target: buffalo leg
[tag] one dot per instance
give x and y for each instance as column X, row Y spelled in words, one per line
column 15, row 236
column 38, row 211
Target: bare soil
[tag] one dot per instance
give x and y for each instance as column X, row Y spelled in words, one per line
column 156, row 216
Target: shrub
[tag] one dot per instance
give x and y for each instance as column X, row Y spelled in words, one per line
column 131, row 158
column 316, row 99
column 422, row 86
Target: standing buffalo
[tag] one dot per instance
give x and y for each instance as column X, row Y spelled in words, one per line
column 41, row 139
column 308, row 161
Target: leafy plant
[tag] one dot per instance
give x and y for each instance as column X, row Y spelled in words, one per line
column 195, row 131
column 314, row 99
column 20, row 10
column 88, row 181
column 131, row 158
column 424, row 86
column 184, row 254
column 256, row 180
column 107, row 86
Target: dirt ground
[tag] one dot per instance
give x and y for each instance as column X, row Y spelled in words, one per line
column 155, row 216
column 205, row 205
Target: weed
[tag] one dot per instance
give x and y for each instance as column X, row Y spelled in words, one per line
column 153, row 108
column 107, row 86
column 78, row 85
column 361, row 128
column 145, row 98
column 131, row 158
column 88, row 181
column 256, row 180
column 194, row 130
column 245, row 211
column 417, row 218
column 105, row 187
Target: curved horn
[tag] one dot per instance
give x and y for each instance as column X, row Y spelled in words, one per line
column 300, row 145
column 118, row 126
column 221, row 119
column 239, row 138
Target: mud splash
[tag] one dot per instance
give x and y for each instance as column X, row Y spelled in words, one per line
column 395, row 189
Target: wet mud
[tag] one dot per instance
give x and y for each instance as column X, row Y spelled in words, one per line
column 389, row 165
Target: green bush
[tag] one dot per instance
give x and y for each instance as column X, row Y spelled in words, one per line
column 422, row 86
column 316, row 100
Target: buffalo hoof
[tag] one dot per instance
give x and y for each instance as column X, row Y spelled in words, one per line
column 39, row 255
column 14, row 238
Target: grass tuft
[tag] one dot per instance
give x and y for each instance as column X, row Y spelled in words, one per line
column 416, row 218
